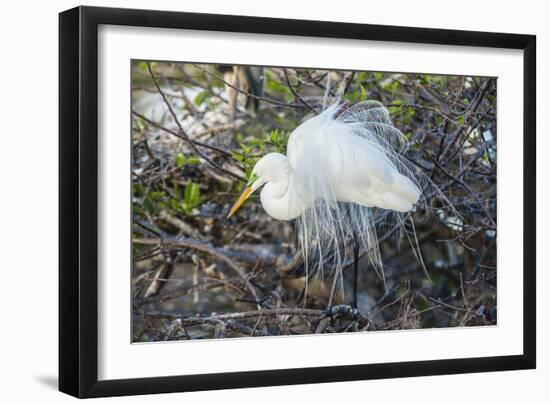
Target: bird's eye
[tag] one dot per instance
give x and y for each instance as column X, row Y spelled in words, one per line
column 252, row 180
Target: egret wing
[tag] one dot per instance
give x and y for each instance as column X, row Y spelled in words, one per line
column 337, row 165
column 369, row 177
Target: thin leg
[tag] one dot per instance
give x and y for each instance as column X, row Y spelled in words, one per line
column 332, row 291
column 355, row 271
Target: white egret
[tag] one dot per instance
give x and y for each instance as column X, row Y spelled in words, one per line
column 341, row 178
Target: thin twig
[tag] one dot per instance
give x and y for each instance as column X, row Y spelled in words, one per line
column 204, row 248
column 265, row 99
column 295, row 93
column 184, row 134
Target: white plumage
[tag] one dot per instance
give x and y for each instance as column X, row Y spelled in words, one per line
column 330, row 157
column 341, row 178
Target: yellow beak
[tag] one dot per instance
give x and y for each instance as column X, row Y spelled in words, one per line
column 245, row 194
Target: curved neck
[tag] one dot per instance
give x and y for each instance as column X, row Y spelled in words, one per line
column 280, row 199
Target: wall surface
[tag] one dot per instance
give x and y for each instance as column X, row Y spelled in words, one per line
column 28, row 202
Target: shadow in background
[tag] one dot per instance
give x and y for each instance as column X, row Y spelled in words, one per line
column 48, row 381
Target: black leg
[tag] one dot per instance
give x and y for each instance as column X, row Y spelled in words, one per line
column 355, row 271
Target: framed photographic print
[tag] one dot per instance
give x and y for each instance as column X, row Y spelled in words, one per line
column 250, row 201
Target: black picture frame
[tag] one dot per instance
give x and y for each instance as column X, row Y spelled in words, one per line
column 78, row 196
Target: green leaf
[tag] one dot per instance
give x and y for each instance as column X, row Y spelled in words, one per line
column 180, row 160
column 363, row 93
column 274, row 86
column 200, row 98
column 192, row 195
column 192, row 160
column 148, row 205
column 352, row 96
column 249, row 161
column 274, row 136
column 245, row 148
column 156, row 195
column 237, row 156
column 142, row 66
column 140, row 123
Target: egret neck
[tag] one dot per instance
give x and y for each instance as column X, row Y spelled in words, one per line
column 279, row 196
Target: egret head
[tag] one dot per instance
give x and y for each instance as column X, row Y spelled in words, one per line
column 270, row 168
